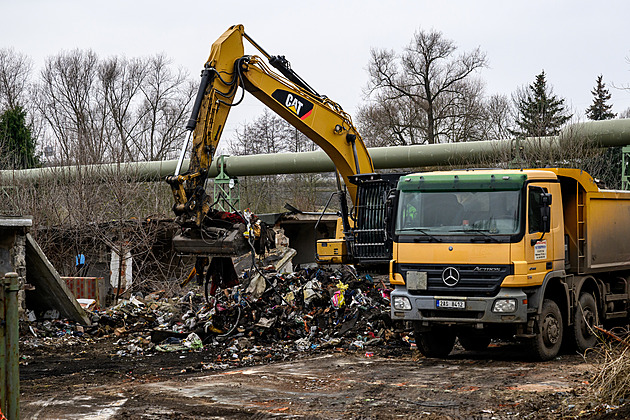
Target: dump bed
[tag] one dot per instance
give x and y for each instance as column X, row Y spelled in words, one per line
column 597, row 224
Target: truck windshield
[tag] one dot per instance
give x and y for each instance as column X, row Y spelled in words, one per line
column 459, row 212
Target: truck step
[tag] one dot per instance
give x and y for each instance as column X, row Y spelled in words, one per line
column 620, row 314
column 620, row 296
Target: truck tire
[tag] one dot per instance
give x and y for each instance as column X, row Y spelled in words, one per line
column 470, row 342
column 436, row 343
column 586, row 317
column 548, row 340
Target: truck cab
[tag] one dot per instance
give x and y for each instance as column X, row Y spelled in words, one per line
column 484, row 253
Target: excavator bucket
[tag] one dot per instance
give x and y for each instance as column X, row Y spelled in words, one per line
column 218, row 241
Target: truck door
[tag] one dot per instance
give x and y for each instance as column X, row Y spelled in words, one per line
column 539, row 245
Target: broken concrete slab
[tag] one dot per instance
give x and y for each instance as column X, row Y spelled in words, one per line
column 281, row 264
column 51, row 292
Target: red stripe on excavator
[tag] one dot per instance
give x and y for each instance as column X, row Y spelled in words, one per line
column 307, row 114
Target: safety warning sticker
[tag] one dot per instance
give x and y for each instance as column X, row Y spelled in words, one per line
column 540, row 250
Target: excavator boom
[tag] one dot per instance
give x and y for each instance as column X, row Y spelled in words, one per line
column 284, row 92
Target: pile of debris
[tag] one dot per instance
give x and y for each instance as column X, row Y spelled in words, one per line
column 269, row 315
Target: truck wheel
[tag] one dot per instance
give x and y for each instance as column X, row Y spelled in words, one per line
column 470, row 342
column 546, row 344
column 436, row 343
column 586, row 318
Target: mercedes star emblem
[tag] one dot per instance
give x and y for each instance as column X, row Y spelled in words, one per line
column 450, row 276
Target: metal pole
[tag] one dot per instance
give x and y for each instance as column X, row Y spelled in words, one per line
column 182, row 154
column 625, row 168
column 3, row 350
column 12, row 287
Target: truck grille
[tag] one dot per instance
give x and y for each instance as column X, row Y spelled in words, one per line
column 474, row 280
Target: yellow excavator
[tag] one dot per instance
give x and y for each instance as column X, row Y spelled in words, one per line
column 210, row 234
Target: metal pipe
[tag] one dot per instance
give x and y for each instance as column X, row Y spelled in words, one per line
column 600, row 133
column 142, row 171
column 12, row 287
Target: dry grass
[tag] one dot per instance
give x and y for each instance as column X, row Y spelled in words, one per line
column 612, row 382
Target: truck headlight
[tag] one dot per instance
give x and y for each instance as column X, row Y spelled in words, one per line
column 504, row 305
column 401, row 303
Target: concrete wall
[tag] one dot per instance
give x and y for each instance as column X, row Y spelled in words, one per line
column 13, row 232
column 302, row 235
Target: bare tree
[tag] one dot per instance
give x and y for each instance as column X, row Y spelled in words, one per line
column 499, row 117
column 269, row 133
column 115, row 109
column 469, row 123
column 266, row 134
column 121, row 82
column 427, row 78
column 296, row 141
column 391, row 122
column 15, row 70
column 166, row 97
column 68, row 99
column 302, row 190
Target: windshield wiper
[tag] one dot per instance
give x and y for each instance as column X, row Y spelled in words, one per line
column 421, row 231
column 484, row 232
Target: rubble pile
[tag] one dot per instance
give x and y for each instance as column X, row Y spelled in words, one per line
column 269, row 316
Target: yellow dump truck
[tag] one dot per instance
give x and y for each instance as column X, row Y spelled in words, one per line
column 542, row 255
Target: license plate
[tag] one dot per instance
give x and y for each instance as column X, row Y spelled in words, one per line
column 450, row 304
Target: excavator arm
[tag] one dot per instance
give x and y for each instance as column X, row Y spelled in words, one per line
column 215, row 97
column 207, row 234
column 227, row 69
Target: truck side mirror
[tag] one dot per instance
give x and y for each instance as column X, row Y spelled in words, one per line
column 390, row 208
column 545, row 211
column 543, row 201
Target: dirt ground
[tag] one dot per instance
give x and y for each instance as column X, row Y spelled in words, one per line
column 89, row 381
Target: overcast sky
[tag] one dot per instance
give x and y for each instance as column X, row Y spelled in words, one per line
column 328, row 42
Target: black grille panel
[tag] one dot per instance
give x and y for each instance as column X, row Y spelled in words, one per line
column 369, row 233
column 452, row 314
column 370, row 243
column 475, row 280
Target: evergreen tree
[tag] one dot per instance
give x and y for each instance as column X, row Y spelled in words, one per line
column 17, row 144
column 539, row 112
column 607, row 164
column 600, row 109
